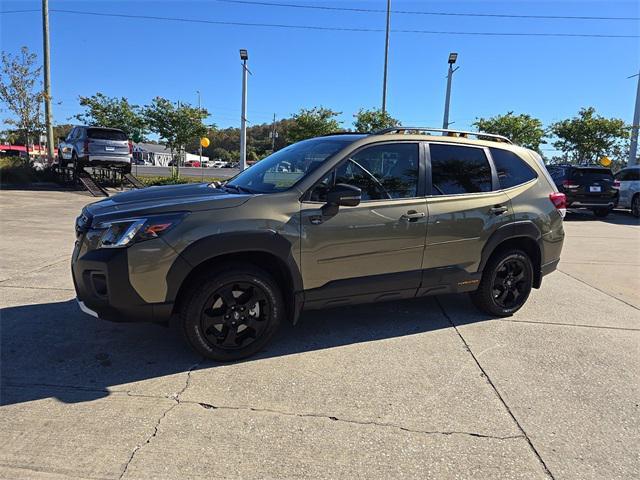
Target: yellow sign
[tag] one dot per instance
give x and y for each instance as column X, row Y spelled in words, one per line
column 204, row 141
column 605, row 161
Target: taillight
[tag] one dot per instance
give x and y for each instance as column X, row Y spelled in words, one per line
column 559, row 201
column 130, row 147
column 569, row 184
column 86, row 147
column 616, row 184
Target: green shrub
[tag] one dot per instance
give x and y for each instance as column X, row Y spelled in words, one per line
column 156, row 181
column 16, row 171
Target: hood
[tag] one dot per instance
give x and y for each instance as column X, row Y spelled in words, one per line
column 187, row 197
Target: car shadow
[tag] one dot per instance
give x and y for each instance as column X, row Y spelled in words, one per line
column 54, row 350
column 617, row 217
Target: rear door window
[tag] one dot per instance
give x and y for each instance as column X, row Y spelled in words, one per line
column 512, row 170
column 458, row 170
column 106, row 134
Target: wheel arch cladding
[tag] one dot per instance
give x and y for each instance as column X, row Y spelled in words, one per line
column 523, row 235
column 267, row 250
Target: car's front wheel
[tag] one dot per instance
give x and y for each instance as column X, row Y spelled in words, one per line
column 232, row 312
column 506, row 283
column 635, row 206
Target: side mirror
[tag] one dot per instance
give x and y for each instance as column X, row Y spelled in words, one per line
column 341, row 195
column 344, row 195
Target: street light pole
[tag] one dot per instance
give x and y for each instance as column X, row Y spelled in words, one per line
column 452, row 59
column 386, row 59
column 633, row 151
column 47, row 81
column 244, row 56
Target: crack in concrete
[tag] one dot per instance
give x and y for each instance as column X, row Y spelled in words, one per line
column 495, row 389
column 627, row 329
column 176, row 399
column 596, row 288
column 37, row 288
column 356, row 422
column 35, row 270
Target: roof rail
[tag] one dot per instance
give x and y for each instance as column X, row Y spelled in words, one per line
column 458, row 133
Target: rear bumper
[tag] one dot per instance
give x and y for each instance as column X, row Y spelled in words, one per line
column 610, row 203
column 103, row 290
column 107, row 159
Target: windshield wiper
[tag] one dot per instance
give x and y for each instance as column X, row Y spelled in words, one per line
column 238, row 188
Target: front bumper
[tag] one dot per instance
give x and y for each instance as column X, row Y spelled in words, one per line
column 101, row 280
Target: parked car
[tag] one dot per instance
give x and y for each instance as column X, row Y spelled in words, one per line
column 192, row 163
column 629, row 189
column 96, row 146
column 218, row 164
column 354, row 218
column 588, row 187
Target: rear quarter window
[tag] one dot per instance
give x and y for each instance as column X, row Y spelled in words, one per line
column 104, row 134
column 511, row 169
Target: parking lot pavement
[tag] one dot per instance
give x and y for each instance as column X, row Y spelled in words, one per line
column 428, row 388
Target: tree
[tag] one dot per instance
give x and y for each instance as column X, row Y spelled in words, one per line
column 372, row 120
column 21, row 91
column 521, row 129
column 113, row 112
column 177, row 124
column 588, row 137
column 313, row 122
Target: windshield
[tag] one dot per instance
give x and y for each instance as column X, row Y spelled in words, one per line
column 281, row 170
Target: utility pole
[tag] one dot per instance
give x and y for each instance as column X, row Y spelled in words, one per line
column 273, row 134
column 386, row 59
column 633, row 151
column 452, row 59
column 199, row 142
column 244, row 56
column 47, row 81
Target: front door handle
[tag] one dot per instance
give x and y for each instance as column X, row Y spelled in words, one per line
column 412, row 215
column 498, row 210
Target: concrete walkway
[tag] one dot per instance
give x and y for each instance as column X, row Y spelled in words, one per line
column 421, row 389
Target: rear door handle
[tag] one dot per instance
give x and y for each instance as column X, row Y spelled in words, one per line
column 498, row 210
column 413, row 215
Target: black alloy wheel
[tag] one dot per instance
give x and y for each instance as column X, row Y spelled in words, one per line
column 506, row 283
column 235, row 315
column 231, row 312
column 511, row 283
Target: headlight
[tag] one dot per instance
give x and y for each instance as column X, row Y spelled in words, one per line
column 122, row 233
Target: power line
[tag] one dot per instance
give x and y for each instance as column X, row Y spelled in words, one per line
column 339, row 29
column 408, row 12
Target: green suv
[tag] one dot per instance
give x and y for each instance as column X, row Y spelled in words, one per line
column 326, row 222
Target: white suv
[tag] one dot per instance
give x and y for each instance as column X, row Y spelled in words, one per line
column 629, row 196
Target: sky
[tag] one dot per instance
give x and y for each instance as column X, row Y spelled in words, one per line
column 548, row 77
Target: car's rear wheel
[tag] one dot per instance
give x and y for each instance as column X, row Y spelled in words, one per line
column 635, row 206
column 506, row 283
column 232, row 313
column 601, row 212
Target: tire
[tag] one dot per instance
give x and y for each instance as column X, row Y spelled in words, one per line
column 501, row 269
column 74, row 160
column 635, row 206
column 223, row 326
column 601, row 212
